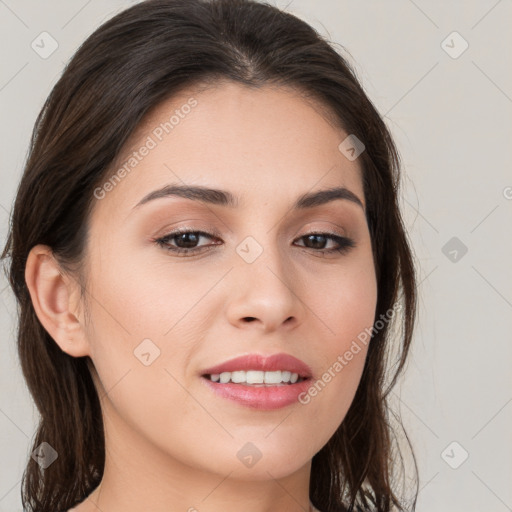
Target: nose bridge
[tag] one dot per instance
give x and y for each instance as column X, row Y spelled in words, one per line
column 264, row 284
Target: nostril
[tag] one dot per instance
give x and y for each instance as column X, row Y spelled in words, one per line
column 249, row 318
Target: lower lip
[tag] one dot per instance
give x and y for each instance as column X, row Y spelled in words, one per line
column 260, row 397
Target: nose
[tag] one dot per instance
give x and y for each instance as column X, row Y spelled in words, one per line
column 264, row 295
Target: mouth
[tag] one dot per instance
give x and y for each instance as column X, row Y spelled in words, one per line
column 262, row 382
column 261, row 396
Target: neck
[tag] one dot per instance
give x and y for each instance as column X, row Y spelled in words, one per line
column 141, row 476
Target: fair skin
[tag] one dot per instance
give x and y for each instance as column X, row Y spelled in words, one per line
column 171, row 444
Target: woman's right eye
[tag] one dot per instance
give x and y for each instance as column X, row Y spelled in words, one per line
column 186, row 241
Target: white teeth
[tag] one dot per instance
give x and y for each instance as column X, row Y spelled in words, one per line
column 273, row 377
column 286, row 376
column 237, row 377
column 255, row 377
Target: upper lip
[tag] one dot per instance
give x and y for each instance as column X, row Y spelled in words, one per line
column 269, row 363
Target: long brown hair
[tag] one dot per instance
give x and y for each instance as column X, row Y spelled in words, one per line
column 128, row 66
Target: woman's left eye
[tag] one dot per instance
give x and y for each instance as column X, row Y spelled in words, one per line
column 186, row 242
column 342, row 243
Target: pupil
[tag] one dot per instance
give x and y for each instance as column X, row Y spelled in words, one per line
column 316, row 243
column 185, row 237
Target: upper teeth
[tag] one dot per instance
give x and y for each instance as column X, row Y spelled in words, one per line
column 255, row 377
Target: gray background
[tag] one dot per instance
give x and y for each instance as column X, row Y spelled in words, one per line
column 450, row 113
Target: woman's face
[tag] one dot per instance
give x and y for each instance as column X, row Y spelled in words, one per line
column 252, row 282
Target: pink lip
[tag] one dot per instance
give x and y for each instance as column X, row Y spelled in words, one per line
column 262, row 397
column 260, row 362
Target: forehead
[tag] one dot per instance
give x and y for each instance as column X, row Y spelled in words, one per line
column 262, row 144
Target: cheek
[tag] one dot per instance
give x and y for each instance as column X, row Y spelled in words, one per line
column 346, row 309
column 140, row 369
column 344, row 303
column 135, row 299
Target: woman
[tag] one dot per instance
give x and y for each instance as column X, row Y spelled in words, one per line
column 209, row 258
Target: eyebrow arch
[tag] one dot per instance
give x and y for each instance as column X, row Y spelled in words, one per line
column 225, row 198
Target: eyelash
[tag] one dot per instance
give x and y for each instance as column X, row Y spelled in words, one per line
column 345, row 244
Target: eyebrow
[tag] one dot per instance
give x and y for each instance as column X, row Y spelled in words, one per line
column 225, row 198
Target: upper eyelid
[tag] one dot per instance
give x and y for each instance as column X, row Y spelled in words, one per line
column 178, row 231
